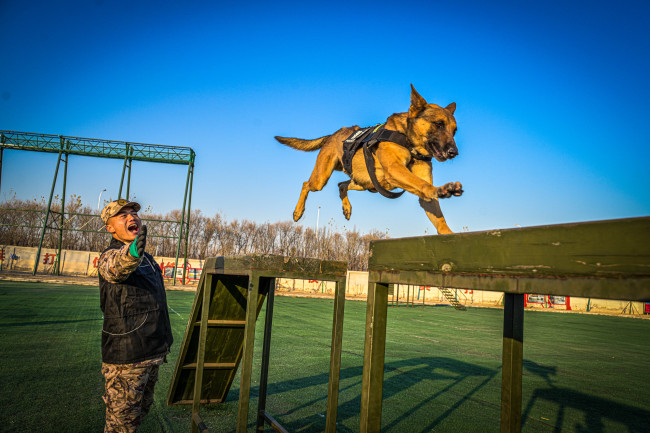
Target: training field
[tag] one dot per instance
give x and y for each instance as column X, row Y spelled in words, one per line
column 582, row 373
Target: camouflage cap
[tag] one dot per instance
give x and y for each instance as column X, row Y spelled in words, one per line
column 114, row 207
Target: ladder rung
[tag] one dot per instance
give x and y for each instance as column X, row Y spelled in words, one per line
column 224, row 323
column 212, row 366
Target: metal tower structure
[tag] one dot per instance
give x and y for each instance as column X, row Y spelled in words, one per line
column 98, row 148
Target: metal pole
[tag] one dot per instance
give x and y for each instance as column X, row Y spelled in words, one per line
column 128, row 181
column 126, row 158
column 317, row 237
column 65, row 180
column 189, row 213
column 47, row 214
column 180, row 233
column 397, row 301
column 2, row 151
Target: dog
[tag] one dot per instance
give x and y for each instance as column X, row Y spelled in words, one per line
column 429, row 133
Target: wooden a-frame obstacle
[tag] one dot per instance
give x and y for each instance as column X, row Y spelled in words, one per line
column 220, row 333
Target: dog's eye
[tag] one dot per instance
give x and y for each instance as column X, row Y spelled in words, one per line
column 439, row 124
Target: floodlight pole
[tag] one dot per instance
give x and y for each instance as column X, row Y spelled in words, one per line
column 317, row 237
column 99, row 200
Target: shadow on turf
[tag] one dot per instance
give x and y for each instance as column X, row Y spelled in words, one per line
column 398, row 377
column 596, row 409
column 457, row 379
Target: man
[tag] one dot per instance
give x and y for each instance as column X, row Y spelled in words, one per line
column 136, row 336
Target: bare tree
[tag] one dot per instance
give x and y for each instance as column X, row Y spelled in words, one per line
column 21, row 222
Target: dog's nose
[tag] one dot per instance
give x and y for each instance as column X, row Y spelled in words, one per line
column 452, row 152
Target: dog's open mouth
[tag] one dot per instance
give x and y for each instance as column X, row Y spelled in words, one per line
column 133, row 228
column 433, row 149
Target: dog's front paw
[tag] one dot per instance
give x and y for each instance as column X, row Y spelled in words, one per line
column 450, row 189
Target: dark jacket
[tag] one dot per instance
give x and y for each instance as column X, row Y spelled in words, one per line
column 136, row 321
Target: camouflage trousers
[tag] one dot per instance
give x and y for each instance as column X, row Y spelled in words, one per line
column 128, row 395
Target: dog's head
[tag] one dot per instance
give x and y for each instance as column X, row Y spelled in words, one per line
column 431, row 128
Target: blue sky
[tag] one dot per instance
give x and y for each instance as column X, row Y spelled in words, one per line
column 552, row 102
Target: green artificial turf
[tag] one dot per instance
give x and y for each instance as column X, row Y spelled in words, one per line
column 582, row 373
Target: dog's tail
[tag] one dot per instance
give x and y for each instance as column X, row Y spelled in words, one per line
column 300, row 144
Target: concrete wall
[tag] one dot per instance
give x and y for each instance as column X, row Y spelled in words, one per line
column 357, row 283
column 357, row 286
column 84, row 263
column 311, row 287
column 79, row 263
column 495, row 299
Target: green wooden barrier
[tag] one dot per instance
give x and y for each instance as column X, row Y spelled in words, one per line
column 600, row 259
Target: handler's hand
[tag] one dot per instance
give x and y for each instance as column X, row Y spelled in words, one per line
column 139, row 244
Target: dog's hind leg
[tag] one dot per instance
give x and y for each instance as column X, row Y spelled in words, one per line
column 344, row 187
column 343, row 193
column 326, row 162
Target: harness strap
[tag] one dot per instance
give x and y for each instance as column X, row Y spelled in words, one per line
column 397, row 138
column 367, row 138
column 392, row 136
column 370, row 165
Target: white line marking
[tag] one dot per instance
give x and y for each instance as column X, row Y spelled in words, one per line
column 175, row 312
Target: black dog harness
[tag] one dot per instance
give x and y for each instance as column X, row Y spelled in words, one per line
column 368, row 139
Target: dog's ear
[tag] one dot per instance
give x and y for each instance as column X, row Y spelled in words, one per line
column 451, row 107
column 417, row 102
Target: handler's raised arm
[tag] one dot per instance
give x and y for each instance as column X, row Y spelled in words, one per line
column 116, row 265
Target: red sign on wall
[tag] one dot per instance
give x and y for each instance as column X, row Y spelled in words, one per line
column 48, row 259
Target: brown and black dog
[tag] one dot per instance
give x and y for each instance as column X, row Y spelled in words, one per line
column 429, row 131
